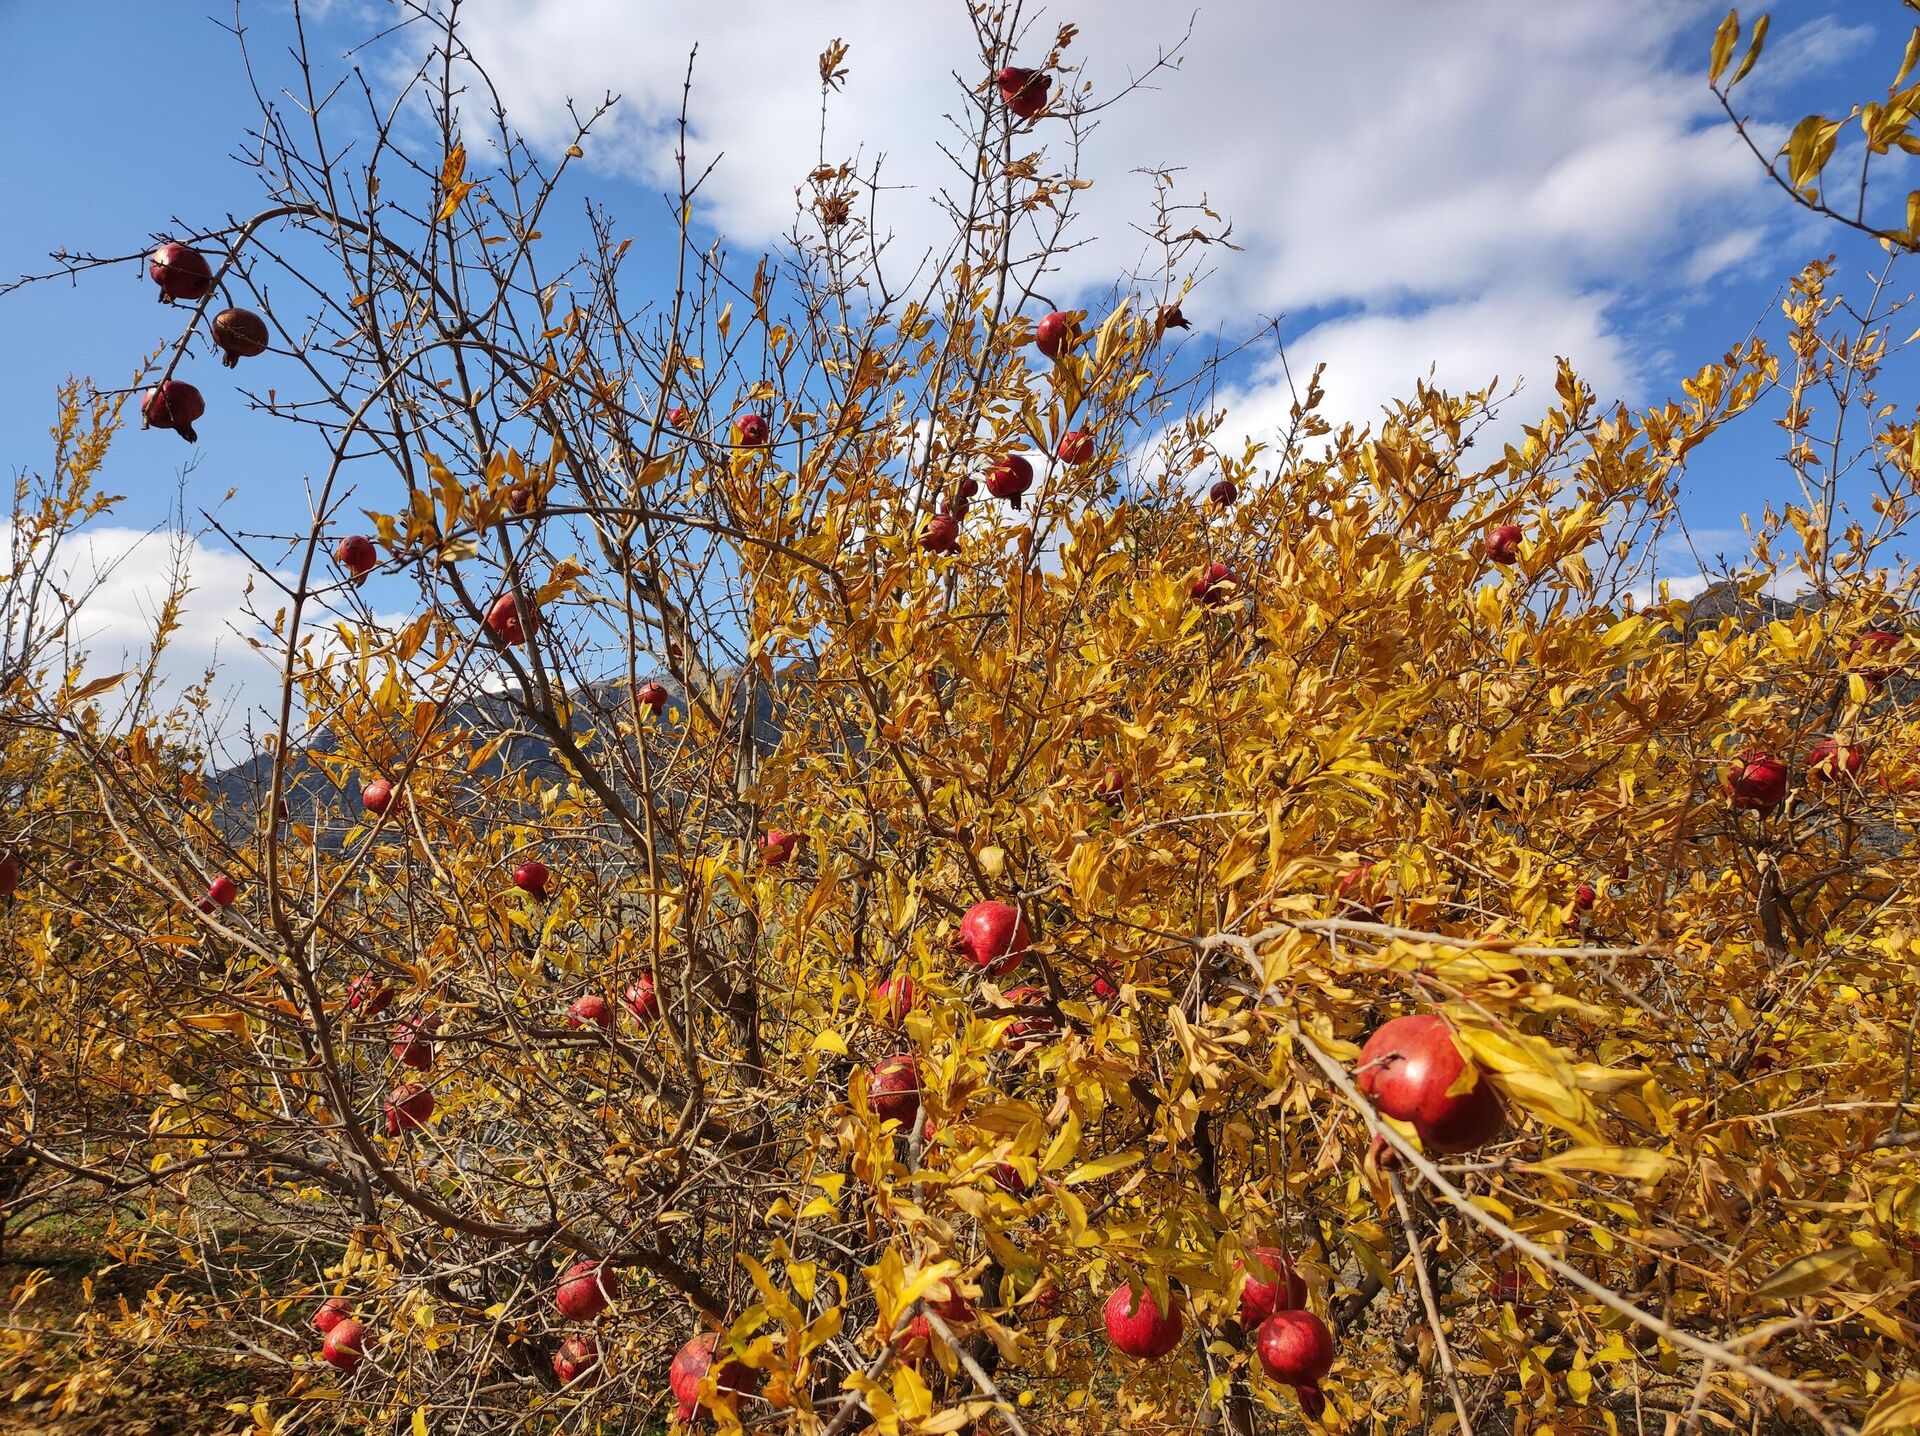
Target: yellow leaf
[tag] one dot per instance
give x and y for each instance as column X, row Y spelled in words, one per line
column 99, row 685
column 1724, row 39
column 1806, row 1275
column 1102, row 1167
column 1635, row 1162
column 419, row 1421
column 1898, row 1408
column 830, row 1041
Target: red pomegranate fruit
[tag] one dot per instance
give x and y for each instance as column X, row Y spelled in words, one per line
column 222, row 891
column 333, row 1311
column 1137, row 1326
column 652, row 696
column 898, row 997
column 1409, row 1066
column 1027, row 1029
column 355, row 553
column 1053, row 333
column 1871, row 650
column 584, row 1290
column 1009, row 478
column 1023, row 91
column 1757, row 782
column 1223, row 493
column 181, row 272
column 778, row 845
column 641, row 998
column 1272, row 1285
column 345, row 1346
column 1295, row 1347
column 368, row 995
column 680, row 417
column 173, row 404
column 512, row 622
column 1214, row 585
column 994, row 937
column 1830, row 759
column 532, row 877
column 376, row 797
column 239, row 334
column 751, row 431
column 408, row 1108
column 1076, row 447
column 893, row 1089
column 577, row 1358
column 690, row 1367
column 1583, row 897
column 941, row 533
column 591, row 1008
column 1112, row 787
column 1503, row 543
column 413, row 1042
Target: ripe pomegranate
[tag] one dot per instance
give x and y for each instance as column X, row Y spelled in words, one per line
column 355, row 553
column 591, row 1008
column 1023, row 91
column 181, row 273
column 641, row 998
column 222, row 891
column 690, row 1367
column 1112, row 787
column 893, row 1089
column 368, row 995
column 510, row 622
column 1076, row 447
column 409, row 1106
column 751, row 431
column 1009, row 478
column 584, row 1290
column 1010, row 1181
column 1408, row 1067
column 899, row 997
column 1223, row 493
column 377, row 796
column 1878, row 642
column 345, row 1346
column 1214, row 586
column 1583, row 897
column 413, row 1042
column 578, row 1357
column 333, row 1311
column 1829, row 759
column 1758, row 782
column 1503, row 543
column 1025, row 1031
column 1106, row 986
column 1139, row 1328
column 531, row 877
column 941, row 533
column 1510, row 1289
column 173, row 404
column 994, row 937
column 1295, row 1347
column 680, row 417
column 1053, row 333
column 778, row 845
column 239, row 334
column 520, row 498
column 652, row 695
column 9, row 874
column 1272, row 1285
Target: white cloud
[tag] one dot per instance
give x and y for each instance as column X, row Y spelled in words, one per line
column 1480, row 160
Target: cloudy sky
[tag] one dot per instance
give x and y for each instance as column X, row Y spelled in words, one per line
column 1475, row 185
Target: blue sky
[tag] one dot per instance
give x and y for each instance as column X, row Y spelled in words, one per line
column 1485, row 184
